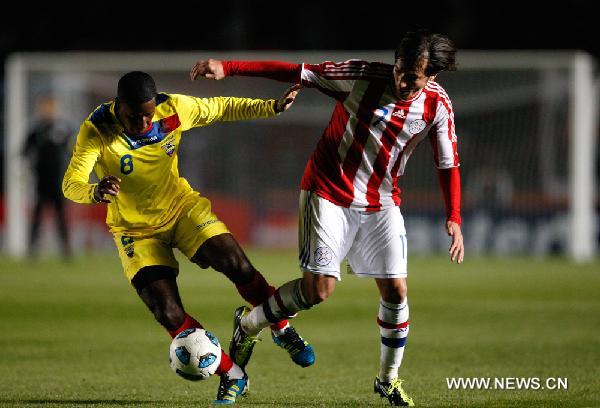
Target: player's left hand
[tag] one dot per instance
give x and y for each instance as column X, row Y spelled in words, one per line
column 457, row 247
column 209, row 69
column 288, row 98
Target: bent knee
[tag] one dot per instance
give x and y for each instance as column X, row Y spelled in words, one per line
column 170, row 316
column 314, row 298
column 237, row 269
column 396, row 293
column 319, row 291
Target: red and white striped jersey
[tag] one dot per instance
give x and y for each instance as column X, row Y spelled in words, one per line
column 371, row 134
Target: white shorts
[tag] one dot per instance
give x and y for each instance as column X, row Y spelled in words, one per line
column 373, row 242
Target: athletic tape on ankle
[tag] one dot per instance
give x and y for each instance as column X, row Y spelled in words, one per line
column 287, row 300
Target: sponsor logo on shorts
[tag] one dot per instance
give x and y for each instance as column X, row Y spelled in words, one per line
column 416, row 126
column 129, row 251
column 127, row 243
column 207, row 223
column 323, row 256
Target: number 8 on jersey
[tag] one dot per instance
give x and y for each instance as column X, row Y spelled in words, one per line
column 126, row 164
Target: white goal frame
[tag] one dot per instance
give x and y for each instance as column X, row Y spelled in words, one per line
column 583, row 116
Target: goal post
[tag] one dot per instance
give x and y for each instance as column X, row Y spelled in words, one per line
column 14, row 135
column 526, row 120
column 583, row 152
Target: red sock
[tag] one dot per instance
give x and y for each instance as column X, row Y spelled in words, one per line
column 225, row 365
column 279, row 325
column 188, row 323
column 258, row 291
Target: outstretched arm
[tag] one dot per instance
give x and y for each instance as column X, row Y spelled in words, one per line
column 196, row 112
column 245, row 108
column 217, row 70
column 334, row 79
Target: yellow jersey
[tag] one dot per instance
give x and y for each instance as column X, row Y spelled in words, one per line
column 151, row 193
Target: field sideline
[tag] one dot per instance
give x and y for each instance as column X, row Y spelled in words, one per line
column 76, row 334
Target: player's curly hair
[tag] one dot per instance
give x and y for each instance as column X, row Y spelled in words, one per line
column 136, row 87
column 437, row 49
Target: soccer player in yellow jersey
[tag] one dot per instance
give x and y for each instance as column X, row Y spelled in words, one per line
column 131, row 143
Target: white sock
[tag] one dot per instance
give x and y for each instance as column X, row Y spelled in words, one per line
column 393, row 327
column 235, row 372
column 285, row 303
column 254, row 321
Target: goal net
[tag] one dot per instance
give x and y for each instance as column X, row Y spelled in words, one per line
column 526, row 123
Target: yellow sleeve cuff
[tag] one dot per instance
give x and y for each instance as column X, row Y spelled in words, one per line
column 274, row 105
column 91, row 193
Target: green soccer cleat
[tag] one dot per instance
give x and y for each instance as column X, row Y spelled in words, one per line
column 242, row 344
column 229, row 390
column 299, row 350
column 394, row 392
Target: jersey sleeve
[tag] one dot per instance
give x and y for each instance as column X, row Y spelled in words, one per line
column 450, row 184
column 337, row 79
column 276, row 70
column 87, row 150
column 443, row 138
column 197, row 112
column 444, row 144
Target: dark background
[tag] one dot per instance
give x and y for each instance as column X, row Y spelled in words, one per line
column 306, row 25
column 265, row 25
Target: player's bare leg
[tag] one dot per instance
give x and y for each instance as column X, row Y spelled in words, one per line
column 157, row 287
column 313, row 289
column 224, row 254
column 294, row 296
column 316, row 287
column 392, row 320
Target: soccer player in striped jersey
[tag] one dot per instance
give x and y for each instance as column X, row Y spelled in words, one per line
column 132, row 144
column 349, row 201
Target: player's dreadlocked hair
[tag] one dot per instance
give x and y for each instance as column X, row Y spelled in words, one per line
column 136, row 87
column 421, row 44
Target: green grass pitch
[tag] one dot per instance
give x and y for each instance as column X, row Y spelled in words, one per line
column 76, row 334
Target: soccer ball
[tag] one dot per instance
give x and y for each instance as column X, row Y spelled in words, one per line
column 195, row 354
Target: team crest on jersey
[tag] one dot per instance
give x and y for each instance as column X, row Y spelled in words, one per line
column 323, row 256
column 416, row 126
column 169, row 148
column 169, row 145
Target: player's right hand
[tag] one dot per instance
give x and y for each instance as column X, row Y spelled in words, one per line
column 209, row 69
column 457, row 247
column 108, row 185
